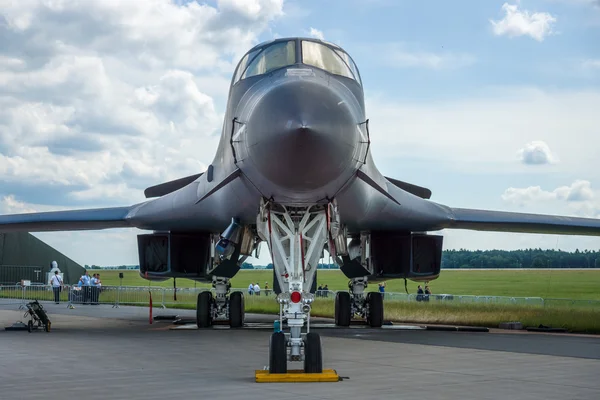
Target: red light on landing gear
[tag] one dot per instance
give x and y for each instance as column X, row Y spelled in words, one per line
column 295, row 297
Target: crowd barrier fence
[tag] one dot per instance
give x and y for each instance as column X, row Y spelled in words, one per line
column 168, row 297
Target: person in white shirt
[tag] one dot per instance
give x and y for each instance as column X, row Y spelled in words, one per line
column 251, row 289
column 257, row 289
column 85, row 282
column 57, row 283
column 94, row 289
column 98, row 288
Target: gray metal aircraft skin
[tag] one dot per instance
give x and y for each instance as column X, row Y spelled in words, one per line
column 296, row 134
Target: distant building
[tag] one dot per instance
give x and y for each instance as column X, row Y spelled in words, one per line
column 25, row 257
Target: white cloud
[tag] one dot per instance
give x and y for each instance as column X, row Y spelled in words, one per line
column 579, row 197
column 10, row 205
column 316, row 33
column 100, row 99
column 97, row 95
column 526, row 195
column 515, row 23
column 536, row 153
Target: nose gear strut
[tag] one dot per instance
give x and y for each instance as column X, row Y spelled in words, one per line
column 296, row 238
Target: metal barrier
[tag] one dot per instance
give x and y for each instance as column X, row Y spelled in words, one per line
column 12, row 294
column 163, row 297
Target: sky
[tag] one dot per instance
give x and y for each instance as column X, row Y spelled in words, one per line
column 490, row 104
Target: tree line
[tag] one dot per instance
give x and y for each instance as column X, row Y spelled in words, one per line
column 527, row 258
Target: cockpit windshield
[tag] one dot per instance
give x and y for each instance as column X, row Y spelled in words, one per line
column 281, row 54
column 333, row 61
column 269, row 58
column 350, row 63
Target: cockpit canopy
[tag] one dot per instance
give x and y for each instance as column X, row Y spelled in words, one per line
column 283, row 53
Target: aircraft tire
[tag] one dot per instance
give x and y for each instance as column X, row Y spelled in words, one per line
column 236, row 310
column 277, row 354
column 375, row 301
column 342, row 309
column 313, row 356
column 203, row 317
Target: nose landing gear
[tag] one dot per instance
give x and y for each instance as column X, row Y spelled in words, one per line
column 296, row 236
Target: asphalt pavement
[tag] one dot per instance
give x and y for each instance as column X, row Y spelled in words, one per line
column 100, row 352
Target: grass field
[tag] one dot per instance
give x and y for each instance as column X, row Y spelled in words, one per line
column 518, row 283
column 575, row 319
column 578, row 316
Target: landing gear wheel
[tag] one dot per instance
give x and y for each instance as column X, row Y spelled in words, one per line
column 29, row 326
column 236, row 310
column 313, row 357
column 342, row 309
column 203, row 314
column 277, row 354
column 375, row 301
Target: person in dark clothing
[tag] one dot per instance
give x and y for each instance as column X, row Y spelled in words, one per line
column 427, row 293
column 320, row 291
column 325, row 290
column 419, row 293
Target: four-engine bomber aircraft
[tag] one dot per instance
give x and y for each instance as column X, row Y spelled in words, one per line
column 293, row 169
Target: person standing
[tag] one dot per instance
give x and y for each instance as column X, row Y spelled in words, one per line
column 382, row 289
column 250, row 289
column 99, row 288
column 257, row 289
column 419, row 293
column 427, row 293
column 57, row 284
column 85, row 282
column 94, row 290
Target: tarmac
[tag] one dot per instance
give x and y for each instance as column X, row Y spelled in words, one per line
column 100, row 352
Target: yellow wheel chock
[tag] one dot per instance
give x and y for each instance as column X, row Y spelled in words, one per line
column 328, row 375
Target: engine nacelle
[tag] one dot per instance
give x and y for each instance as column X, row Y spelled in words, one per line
column 180, row 255
column 389, row 255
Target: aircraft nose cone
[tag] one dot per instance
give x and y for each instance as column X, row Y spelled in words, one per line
column 303, row 135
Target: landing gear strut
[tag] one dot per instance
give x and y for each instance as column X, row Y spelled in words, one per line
column 355, row 303
column 222, row 307
column 296, row 237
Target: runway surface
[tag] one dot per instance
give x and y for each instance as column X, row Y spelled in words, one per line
column 97, row 352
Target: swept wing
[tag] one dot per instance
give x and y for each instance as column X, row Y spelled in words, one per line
column 70, row 220
column 501, row 221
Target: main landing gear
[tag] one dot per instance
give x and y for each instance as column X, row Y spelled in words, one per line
column 222, row 307
column 355, row 303
column 296, row 237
